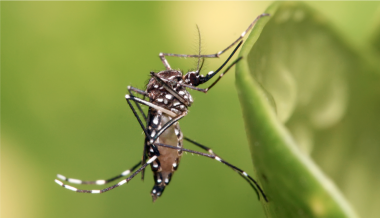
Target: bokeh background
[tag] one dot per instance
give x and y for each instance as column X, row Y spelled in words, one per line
column 65, row 67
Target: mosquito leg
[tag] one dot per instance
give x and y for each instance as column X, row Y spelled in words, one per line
column 217, row 80
column 221, row 75
column 164, row 61
column 143, row 161
column 149, row 104
column 130, row 88
column 203, row 79
column 213, row 156
column 128, row 98
column 100, row 181
column 211, row 152
column 211, row 74
column 216, row 55
column 136, row 90
column 200, row 145
column 122, row 182
column 142, row 92
column 145, row 94
column 144, row 157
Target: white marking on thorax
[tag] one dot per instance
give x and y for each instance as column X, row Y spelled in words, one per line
column 155, row 120
column 169, row 96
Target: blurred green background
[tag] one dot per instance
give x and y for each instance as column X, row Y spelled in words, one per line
column 65, row 67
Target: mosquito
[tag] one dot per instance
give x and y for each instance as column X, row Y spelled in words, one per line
column 168, row 103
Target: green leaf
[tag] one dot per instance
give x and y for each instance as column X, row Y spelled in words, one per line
column 293, row 84
column 376, row 38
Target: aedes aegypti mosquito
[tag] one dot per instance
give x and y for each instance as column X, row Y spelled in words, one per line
column 168, row 103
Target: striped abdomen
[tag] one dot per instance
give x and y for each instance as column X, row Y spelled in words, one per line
column 165, row 165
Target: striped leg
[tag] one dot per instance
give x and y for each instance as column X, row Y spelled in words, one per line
column 221, row 75
column 216, row 55
column 200, row 145
column 145, row 94
column 203, row 79
column 100, row 181
column 149, row 104
column 252, row 184
column 136, row 90
column 122, row 182
column 211, row 74
column 214, row 156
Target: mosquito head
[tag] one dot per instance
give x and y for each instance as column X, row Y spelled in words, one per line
column 192, row 78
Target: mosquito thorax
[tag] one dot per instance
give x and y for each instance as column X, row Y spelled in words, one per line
column 159, row 95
